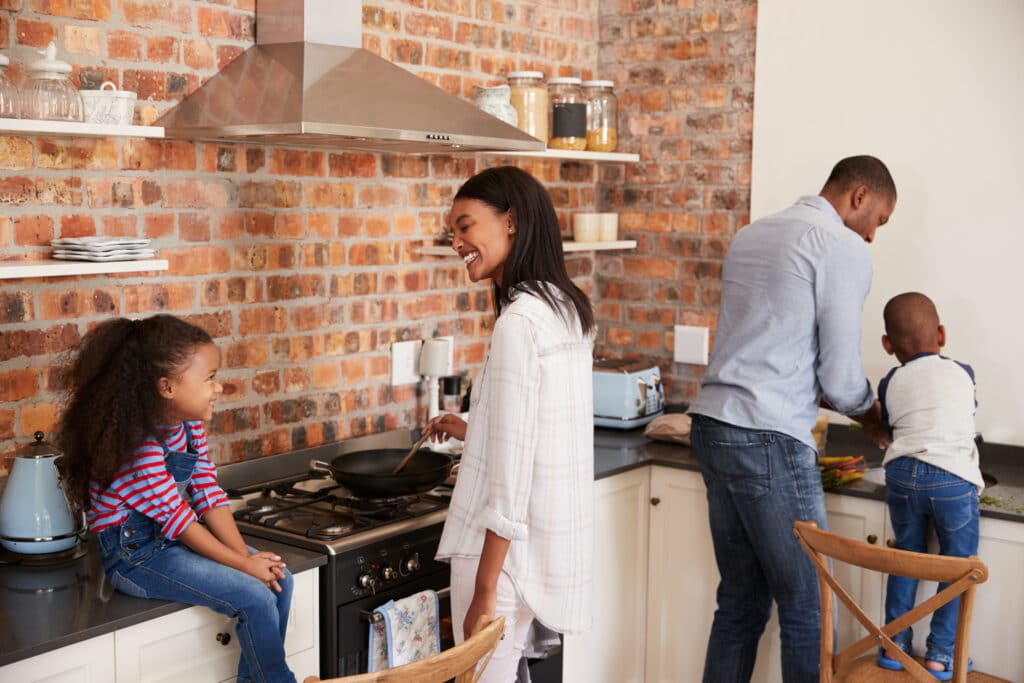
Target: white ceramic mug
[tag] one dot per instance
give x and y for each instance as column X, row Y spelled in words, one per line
column 586, row 227
column 608, row 230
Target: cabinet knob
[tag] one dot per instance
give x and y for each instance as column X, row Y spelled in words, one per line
column 891, row 542
column 872, row 539
column 223, row 638
column 655, row 501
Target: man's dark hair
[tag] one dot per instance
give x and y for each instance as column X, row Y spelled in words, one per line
column 861, row 170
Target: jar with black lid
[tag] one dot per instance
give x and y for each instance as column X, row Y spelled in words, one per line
column 568, row 114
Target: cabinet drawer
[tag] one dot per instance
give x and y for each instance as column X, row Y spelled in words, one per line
column 86, row 662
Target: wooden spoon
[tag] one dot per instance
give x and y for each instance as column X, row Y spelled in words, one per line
column 412, row 451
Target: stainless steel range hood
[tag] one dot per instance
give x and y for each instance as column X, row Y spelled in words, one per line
column 308, row 82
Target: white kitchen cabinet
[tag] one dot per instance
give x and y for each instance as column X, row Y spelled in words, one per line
column 682, row 577
column 90, row 661
column 182, row 646
column 198, row 645
column 613, row 651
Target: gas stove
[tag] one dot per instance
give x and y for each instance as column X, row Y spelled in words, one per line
column 377, row 550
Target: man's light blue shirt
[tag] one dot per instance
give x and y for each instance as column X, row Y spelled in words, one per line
column 789, row 323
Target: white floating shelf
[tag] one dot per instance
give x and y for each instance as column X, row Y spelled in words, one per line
column 33, row 126
column 573, row 155
column 54, row 268
column 567, row 246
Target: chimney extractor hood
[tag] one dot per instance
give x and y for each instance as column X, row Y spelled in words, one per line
column 298, row 87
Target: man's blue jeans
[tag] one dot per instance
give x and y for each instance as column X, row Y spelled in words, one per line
column 920, row 494
column 759, row 483
column 143, row 564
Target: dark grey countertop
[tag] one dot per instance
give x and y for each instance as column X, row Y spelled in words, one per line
column 619, row 451
column 42, row 609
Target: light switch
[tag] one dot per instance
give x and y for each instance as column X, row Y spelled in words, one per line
column 404, row 361
column 691, row 345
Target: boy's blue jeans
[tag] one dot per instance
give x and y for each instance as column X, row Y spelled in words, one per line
column 759, row 483
column 919, row 494
column 140, row 562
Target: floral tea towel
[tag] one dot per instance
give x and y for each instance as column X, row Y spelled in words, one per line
column 410, row 631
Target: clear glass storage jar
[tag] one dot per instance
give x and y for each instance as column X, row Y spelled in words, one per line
column 10, row 97
column 568, row 114
column 602, row 116
column 48, row 94
column 530, row 100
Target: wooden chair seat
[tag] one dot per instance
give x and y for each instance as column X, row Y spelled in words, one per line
column 866, row 670
column 459, row 662
column 963, row 574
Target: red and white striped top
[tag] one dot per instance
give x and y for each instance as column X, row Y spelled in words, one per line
column 144, row 484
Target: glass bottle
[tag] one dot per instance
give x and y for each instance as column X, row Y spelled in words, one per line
column 10, row 98
column 48, row 94
column 602, row 116
column 568, row 114
column 530, row 100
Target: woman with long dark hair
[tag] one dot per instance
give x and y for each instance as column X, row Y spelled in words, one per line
column 519, row 528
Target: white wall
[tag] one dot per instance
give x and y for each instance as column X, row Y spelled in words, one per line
column 935, row 88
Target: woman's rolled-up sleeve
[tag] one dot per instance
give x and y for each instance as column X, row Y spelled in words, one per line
column 513, row 371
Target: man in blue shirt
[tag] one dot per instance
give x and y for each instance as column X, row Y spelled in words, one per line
column 787, row 341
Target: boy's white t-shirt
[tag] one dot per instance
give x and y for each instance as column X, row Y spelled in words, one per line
column 929, row 403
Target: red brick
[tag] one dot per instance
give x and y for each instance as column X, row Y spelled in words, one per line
column 122, row 45
column 15, row 153
column 198, row 54
column 297, row 162
column 177, row 296
column 18, row 384
column 81, row 40
column 33, row 231
column 6, row 424
column 78, row 225
column 16, row 343
column 162, row 49
column 39, row 417
column 16, row 306
column 34, row 33
column 78, row 154
column 224, row 24
column 157, row 14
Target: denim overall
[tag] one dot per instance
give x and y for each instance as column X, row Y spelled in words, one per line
column 140, row 561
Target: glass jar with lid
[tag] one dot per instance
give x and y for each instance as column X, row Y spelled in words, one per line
column 10, row 98
column 602, row 116
column 530, row 100
column 48, row 94
column 568, row 114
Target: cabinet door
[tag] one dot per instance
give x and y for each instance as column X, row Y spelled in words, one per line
column 613, row 649
column 681, row 579
column 91, row 661
column 864, row 520
column 199, row 645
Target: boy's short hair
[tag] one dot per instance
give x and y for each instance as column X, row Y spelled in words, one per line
column 910, row 321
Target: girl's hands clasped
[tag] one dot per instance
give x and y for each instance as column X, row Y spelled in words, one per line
column 265, row 566
column 444, row 427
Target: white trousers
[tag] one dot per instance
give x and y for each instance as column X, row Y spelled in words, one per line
column 518, row 617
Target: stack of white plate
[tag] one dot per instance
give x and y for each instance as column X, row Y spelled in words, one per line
column 101, row 249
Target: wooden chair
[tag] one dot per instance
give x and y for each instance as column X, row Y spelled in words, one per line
column 962, row 575
column 459, row 662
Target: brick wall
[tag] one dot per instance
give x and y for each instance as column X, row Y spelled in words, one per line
column 304, row 264
column 686, row 69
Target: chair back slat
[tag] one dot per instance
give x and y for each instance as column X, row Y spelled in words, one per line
column 924, row 566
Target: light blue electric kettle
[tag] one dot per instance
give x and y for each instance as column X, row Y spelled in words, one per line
column 35, row 517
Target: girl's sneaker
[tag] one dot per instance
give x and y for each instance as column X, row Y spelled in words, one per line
column 893, row 664
column 945, row 674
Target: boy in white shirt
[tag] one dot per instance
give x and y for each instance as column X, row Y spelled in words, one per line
column 932, row 473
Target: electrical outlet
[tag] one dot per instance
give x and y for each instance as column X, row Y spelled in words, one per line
column 405, row 360
column 691, row 345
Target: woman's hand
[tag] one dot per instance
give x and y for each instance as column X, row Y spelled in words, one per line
column 483, row 604
column 444, row 427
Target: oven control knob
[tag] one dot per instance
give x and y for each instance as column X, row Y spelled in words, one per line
column 390, row 574
column 411, row 563
column 369, row 581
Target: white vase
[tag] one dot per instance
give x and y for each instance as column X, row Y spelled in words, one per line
column 496, row 101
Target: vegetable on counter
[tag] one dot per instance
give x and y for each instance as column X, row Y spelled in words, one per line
column 839, row 471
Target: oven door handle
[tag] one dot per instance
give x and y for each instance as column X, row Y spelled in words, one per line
column 378, row 618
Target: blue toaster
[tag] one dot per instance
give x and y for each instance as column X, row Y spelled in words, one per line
column 627, row 393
